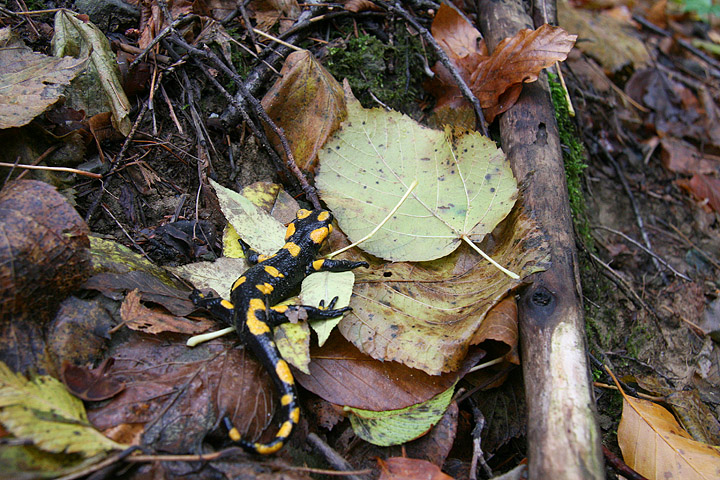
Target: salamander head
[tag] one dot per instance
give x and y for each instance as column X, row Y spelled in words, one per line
column 310, row 227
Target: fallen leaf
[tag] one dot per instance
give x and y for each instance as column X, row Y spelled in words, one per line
column 43, row 257
column 425, row 315
column 500, row 325
column 604, row 38
column 138, row 317
column 705, row 189
column 401, row 468
column 496, row 80
column 308, row 104
column 655, row 445
column 465, row 184
column 41, row 411
column 682, row 157
column 342, row 375
column 103, row 91
column 395, row 427
column 269, row 12
column 30, row 82
column 91, row 384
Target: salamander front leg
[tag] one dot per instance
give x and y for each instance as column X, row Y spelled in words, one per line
column 283, row 313
column 217, row 306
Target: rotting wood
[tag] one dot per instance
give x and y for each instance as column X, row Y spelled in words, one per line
column 563, row 437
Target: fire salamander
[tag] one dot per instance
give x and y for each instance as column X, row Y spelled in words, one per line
column 271, row 279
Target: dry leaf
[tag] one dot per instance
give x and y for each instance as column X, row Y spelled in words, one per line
column 308, row 104
column 138, row 317
column 518, row 60
column 682, row 157
column 656, row 446
column 401, row 468
column 500, row 325
column 496, row 79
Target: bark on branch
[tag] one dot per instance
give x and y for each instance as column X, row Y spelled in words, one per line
column 563, row 437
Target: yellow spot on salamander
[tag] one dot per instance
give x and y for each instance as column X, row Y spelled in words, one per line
column 265, row 288
column 227, row 304
column 285, row 429
column 330, row 229
column 286, row 399
column 234, row 434
column 324, row 215
column 319, row 234
column 283, row 371
column 255, row 325
column 293, row 248
column 317, row 264
column 238, row 282
column 267, row 449
column 303, row 213
column 290, row 231
column 295, row 415
column 280, row 308
column 273, row 272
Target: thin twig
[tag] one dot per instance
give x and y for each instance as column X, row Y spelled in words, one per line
column 630, row 292
column 160, row 36
column 444, row 59
column 334, row 458
column 646, row 250
column 52, row 169
column 634, row 205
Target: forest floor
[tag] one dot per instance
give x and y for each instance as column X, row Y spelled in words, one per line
column 643, row 159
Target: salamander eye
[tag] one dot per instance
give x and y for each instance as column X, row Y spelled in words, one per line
column 302, row 213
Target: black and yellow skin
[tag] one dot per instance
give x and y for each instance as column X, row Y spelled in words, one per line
column 271, row 279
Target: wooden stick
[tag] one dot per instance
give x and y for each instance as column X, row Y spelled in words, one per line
column 562, row 435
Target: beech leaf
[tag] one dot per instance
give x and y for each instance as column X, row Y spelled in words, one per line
column 657, row 447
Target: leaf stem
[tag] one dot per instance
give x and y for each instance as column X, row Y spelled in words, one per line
column 379, row 226
column 507, row 272
column 205, row 337
column 277, row 40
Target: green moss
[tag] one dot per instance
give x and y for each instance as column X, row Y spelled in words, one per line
column 574, row 155
column 392, row 71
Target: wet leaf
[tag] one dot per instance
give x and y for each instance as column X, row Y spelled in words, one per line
column 41, row 411
column 308, row 104
column 705, row 189
column 682, row 157
column 656, row 446
column 30, row 82
column 395, row 427
column 465, row 185
column 401, row 468
column 91, row 384
column 425, row 315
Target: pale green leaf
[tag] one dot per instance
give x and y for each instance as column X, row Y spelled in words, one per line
column 465, row 184
column 293, row 342
column 395, row 427
column 218, row 275
column 256, row 227
column 326, row 286
column 42, row 411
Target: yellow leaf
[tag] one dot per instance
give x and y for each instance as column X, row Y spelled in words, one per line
column 42, row 411
column 657, row 447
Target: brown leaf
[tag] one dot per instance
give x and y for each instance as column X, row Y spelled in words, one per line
column 43, row 257
column 401, row 468
column 496, row 80
column 308, row 104
column 341, row 374
column 91, row 384
column 357, row 6
column 705, row 189
column 138, row 317
column 656, row 446
column 500, row 325
column 268, row 12
column 518, row 60
column 179, row 394
column 682, row 157
column 458, row 38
